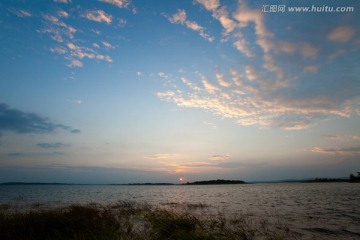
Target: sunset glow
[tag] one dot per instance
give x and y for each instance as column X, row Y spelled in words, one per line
column 137, row 91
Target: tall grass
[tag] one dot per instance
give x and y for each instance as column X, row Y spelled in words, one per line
column 127, row 220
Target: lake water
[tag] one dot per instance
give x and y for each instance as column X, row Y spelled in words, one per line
column 317, row 210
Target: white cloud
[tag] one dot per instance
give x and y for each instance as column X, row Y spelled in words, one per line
column 307, row 50
column 219, row 157
column 181, row 18
column 122, row 22
column 77, row 101
column 250, row 72
column 58, row 30
column 63, row 14
column 251, row 102
column 107, row 44
column 341, row 34
column 341, row 138
column 337, row 53
column 118, row 3
column 98, row 16
column 242, row 45
column 58, row 50
column 210, row 5
column 221, row 80
column 311, row 69
column 210, row 124
column 353, row 151
column 63, row 1
column 75, row 63
column 22, row 13
column 163, row 75
column 190, row 84
column 162, row 156
column 209, row 87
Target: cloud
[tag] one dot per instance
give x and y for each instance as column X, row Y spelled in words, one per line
column 52, row 145
column 209, row 87
column 75, row 63
column 340, row 138
column 352, row 151
column 63, row 1
column 210, row 5
column 98, row 16
column 63, row 14
column 210, row 124
column 279, row 82
column 77, row 101
column 221, row 80
column 162, row 156
column 181, row 18
column 341, row 34
column 250, row 101
column 307, row 50
column 57, row 29
column 22, row 122
column 118, row 3
column 107, row 44
column 311, row 69
column 219, row 157
column 73, row 50
column 22, row 13
column 58, row 50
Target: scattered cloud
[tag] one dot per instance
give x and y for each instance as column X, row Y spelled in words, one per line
column 22, row 13
column 75, row 63
column 162, row 156
column 210, row 5
column 163, row 75
column 98, row 16
column 118, row 3
column 210, row 124
column 52, row 145
column 265, row 91
column 17, row 121
column 58, row 50
column 57, row 29
column 311, row 69
column 63, row 1
column 181, row 18
column 340, row 138
column 122, row 22
column 352, row 151
column 107, row 44
column 341, row 34
column 219, row 157
column 63, row 14
column 77, row 101
column 250, row 101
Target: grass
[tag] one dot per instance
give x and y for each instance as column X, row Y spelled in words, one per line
column 129, row 220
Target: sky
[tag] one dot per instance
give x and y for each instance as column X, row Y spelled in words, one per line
column 132, row 91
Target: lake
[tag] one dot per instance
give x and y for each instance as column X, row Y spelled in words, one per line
column 317, row 210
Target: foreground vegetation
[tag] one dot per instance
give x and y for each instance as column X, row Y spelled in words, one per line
column 126, row 220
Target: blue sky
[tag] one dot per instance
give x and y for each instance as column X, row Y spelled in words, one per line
column 118, row 91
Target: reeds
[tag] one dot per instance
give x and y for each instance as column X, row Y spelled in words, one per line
column 129, row 220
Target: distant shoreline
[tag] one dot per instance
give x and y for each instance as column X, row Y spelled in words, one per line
column 207, row 182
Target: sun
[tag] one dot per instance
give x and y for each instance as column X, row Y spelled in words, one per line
column 181, row 179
